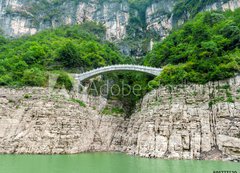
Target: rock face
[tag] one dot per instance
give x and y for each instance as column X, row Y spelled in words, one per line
column 189, row 122
column 19, row 17
column 229, row 5
column 32, row 122
column 185, row 122
column 159, row 17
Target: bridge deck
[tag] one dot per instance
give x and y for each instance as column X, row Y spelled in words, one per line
column 123, row 67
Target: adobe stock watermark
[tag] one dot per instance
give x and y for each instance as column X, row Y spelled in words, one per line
column 225, row 171
column 94, row 87
column 107, row 88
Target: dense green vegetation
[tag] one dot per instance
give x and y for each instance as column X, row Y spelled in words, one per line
column 28, row 60
column 204, row 49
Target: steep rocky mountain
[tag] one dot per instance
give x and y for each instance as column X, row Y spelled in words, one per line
column 132, row 24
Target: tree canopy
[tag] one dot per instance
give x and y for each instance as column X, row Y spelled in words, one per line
column 27, row 60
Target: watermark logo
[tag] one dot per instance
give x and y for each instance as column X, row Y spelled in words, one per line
column 104, row 88
column 226, row 171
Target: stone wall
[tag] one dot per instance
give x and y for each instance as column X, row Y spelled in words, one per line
column 184, row 122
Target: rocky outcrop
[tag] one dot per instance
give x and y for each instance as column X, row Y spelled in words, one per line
column 223, row 5
column 184, row 122
column 159, row 17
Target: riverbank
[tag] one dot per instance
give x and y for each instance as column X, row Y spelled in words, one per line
column 187, row 122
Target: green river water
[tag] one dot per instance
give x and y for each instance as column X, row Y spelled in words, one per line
column 106, row 163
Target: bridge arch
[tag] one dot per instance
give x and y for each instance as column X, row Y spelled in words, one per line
column 123, row 67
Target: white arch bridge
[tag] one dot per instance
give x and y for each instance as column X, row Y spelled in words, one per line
column 123, row 67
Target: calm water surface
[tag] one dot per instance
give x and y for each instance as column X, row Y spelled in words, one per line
column 106, row 163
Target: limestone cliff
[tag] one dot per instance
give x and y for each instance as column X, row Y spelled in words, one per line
column 184, row 122
column 19, row 17
column 191, row 122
